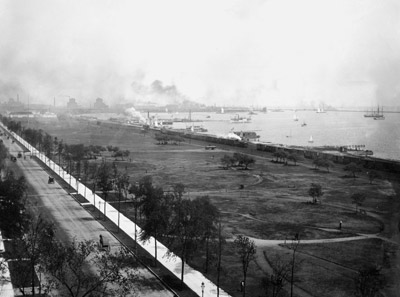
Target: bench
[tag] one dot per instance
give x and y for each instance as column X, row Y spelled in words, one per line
column 104, row 244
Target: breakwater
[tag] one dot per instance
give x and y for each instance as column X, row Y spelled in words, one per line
column 335, row 156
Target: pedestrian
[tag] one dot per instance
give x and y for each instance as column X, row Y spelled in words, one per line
column 340, row 225
column 101, row 240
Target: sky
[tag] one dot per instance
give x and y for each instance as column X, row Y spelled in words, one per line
column 222, row 52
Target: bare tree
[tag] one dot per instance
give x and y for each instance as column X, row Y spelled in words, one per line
column 275, row 282
column 358, row 199
column 315, row 192
column 27, row 253
column 353, row 168
column 372, row 175
column 104, row 181
column 246, row 249
column 293, row 245
column 80, row 269
column 369, row 282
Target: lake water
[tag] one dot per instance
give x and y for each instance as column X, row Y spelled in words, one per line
column 330, row 128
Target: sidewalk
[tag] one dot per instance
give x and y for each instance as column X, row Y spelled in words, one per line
column 192, row 278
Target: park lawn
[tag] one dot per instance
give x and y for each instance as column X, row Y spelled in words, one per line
column 272, row 204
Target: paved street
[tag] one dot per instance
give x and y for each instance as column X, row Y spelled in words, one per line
column 70, row 218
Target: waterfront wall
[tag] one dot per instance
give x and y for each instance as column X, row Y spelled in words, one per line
column 308, row 153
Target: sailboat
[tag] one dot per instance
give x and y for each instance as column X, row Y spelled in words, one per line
column 311, row 140
column 295, row 118
column 321, row 110
column 379, row 115
column 221, row 110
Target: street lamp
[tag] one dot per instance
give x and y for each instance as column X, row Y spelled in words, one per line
column 202, row 289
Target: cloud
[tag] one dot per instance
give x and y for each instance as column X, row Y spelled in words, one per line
column 219, row 52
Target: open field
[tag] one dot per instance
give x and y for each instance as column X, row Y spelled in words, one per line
column 273, row 205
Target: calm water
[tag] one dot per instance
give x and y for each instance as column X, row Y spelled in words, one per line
column 330, row 128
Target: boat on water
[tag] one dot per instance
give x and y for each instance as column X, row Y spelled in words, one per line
column 195, row 128
column 303, row 124
column 239, row 119
column 311, row 140
column 247, row 135
column 163, row 123
column 379, row 115
column 251, row 112
column 376, row 115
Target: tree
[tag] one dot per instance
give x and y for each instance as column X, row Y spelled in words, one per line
column 184, row 232
column 60, row 150
column 243, row 160
column 369, row 282
column 28, row 251
column 275, row 282
column 122, row 183
column 81, row 269
column 315, row 192
column 104, row 182
column 77, row 151
column 226, row 161
column 161, row 138
column 13, row 218
column 3, row 156
column 322, row 162
column 48, row 145
column 280, row 156
column 293, row 157
column 353, row 168
column 358, row 199
column 219, row 253
column 372, row 175
column 209, row 229
column 246, row 249
column 85, row 172
column 155, row 208
column 293, row 246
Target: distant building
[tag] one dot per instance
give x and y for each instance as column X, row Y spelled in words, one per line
column 48, row 115
column 72, row 103
column 99, row 104
column 21, row 114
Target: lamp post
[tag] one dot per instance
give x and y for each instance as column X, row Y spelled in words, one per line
column 202, row 289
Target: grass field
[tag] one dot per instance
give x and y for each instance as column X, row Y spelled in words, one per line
column 273, row 204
